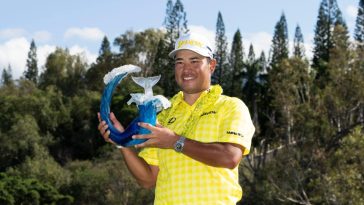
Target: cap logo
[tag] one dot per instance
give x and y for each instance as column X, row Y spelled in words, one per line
column 189, row 42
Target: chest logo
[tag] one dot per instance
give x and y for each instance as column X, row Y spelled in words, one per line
column 208, row 113
column 171, row 120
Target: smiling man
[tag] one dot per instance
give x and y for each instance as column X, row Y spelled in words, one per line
column 192, row 155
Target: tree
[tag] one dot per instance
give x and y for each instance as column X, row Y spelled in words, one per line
column 147, row 45
column 15, row 149
column 18, row 190
column 104, row 64
column 65, row 71
column 138, row 48
column 221, row 71
column 329, row 16
column 6, row 76
column 127, row 48
column 251, row 86
column 298, row 44
column 31, row 72
column 164, row 66
column 359, row 36
column 359, row 26
column 280, row 42
column 237, row 65
column 175, row 23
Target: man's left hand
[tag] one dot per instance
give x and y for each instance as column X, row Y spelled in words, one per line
column 159, row 137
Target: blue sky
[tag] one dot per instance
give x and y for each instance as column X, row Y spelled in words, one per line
column 80, row 25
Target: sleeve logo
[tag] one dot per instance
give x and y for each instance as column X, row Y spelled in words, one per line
column 234, row 133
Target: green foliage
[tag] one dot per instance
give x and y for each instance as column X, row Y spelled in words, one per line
column 359, row 24
column 329, row 16
column 43, row 167
column 20, row 142
column 175, row 21
column 280, row 42
column 345, row 181
column 164, row 66
column 105, row 181
column 17, row 190
column 64, row 71
column 104, row 64
column 222, row 71
column 47, row 107
column 7, row 77
column 236, row 62
column 298, row 43
column 31, row 73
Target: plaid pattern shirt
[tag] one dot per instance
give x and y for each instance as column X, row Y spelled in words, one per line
column 182, row 180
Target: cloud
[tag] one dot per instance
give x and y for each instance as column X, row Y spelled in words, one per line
column 12, row 33
column 42, row 36
column 87, row 33
column 210, row 35
column 261, row 41
column 14, row 53
column 43, row 52
column 84, row 53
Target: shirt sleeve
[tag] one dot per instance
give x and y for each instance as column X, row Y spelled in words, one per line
column 236, row 124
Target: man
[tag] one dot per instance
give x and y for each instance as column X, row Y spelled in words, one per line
column 192, row 155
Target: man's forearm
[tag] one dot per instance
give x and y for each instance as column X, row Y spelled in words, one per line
column 226, row 155
column 145, row 174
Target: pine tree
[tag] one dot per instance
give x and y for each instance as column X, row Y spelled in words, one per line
column 7, row 76
column 176, row 25
column 220, row 53
column 329, row 16
column 237, row 65
column 252, row 83
column 298, row 44
column 31, row 72
column 104, row 63
column 262, row 62
column 280, row 42
column 105, row 54
column 341, row 57
column 359, row 26
column 251, row 55
column 175, row 21
column 359, row 39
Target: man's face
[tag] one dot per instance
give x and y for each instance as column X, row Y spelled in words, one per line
column 193, row 71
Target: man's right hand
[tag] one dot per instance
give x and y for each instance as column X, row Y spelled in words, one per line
column 102, row 127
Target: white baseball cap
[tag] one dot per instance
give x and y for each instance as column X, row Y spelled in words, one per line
column 194, row 42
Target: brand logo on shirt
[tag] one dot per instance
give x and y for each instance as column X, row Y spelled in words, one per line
column 171, row 120
column 234, row 133
column 208, row 113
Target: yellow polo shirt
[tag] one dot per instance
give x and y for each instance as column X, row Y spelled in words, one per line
column 212, row 118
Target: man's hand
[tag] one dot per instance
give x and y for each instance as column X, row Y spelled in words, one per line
column 102, row 127
column 159, row 137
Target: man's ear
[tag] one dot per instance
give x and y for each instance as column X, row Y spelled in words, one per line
column 212, row 65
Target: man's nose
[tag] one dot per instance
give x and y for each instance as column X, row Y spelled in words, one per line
column 187, row 66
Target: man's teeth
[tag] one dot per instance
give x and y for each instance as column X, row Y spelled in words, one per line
column 187, row 78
